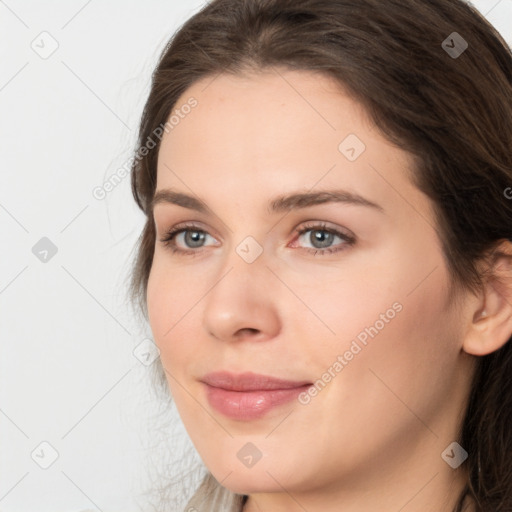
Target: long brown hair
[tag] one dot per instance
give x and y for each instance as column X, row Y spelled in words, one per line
column 451, row 111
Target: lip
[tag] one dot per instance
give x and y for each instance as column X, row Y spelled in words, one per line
column 247, row 396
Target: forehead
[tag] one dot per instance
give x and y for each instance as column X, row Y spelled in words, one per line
column 271, row 131
column 266, row 113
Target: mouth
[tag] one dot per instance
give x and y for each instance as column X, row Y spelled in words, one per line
column 248, row 396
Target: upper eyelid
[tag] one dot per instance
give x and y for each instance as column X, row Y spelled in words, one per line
column 308, row 224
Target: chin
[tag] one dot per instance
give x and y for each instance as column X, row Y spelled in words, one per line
column 242, row 477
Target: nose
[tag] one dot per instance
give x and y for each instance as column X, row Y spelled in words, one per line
column 240, row 306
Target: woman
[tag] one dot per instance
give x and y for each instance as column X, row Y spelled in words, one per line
column 326, row 261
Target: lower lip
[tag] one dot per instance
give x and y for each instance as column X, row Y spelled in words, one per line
column 249, row 405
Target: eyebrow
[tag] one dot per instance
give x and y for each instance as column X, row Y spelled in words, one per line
column 279, row 204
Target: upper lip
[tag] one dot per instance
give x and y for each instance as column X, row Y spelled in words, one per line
column 249, row 381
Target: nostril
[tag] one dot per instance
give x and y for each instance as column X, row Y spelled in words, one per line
column 247, row 330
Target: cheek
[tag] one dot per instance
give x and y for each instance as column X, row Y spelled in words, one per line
column 157, row 298
column 394, row 324
column 163, row 307
column 397, row 365
column 391, row 377
column 364, row 293
column 172, row 298
column 348, row 314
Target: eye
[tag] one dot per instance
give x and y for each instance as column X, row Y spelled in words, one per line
column 321, row 238
column 190, row 235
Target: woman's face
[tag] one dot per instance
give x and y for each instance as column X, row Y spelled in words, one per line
column 353, row 311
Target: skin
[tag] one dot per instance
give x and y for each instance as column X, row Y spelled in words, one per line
column 372, row 438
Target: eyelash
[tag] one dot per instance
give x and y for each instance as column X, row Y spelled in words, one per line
column 168, row 239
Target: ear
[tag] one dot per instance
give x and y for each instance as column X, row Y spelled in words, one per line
column 491, row 325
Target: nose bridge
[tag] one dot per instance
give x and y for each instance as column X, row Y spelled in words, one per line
column 245, row 261
column 239, row 297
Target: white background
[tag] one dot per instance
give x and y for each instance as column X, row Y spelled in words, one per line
column 68, row 374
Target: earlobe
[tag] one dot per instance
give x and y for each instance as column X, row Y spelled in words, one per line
column 491, row 326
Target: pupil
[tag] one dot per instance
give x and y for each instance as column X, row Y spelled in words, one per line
column 194, row 237
column 324, row 238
